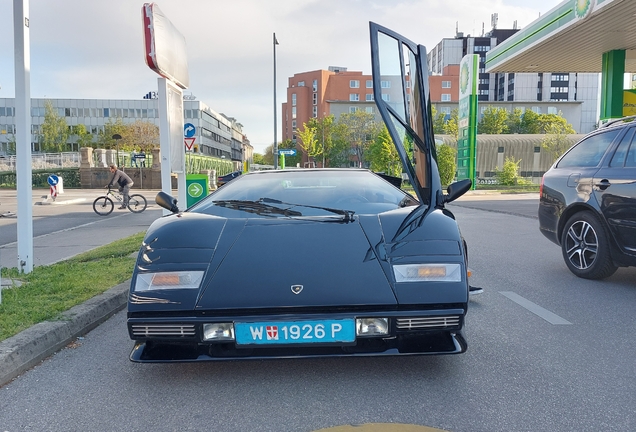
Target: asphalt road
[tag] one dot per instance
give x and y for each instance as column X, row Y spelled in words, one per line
column 69, row 225
column 547, row 351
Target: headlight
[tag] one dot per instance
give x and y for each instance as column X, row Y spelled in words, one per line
column 168, row 280
column 218, row 332
column 372, row 326
column 428, row 272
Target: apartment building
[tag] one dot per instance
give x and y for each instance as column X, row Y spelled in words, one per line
column 320, row 93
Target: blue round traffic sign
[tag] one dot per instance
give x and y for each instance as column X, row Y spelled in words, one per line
column 53, row 180
column 189, row 130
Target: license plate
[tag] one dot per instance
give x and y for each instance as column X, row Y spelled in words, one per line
column 295, row 332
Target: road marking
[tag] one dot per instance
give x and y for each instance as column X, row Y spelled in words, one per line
column 6, row 245
column 535, row 308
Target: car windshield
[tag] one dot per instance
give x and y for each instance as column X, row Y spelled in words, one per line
column 300, row 193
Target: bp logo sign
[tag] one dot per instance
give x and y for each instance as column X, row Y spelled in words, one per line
column 464, row 77
column 583, row 8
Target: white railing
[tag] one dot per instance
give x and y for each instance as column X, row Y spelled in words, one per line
column 41, row 161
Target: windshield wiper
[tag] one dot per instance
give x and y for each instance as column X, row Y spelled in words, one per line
column 347, row 214
column 257, row 207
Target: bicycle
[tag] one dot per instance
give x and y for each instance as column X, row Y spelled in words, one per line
column 104, row 204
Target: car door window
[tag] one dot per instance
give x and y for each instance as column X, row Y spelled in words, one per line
column 618, row 160
column 590, row 151
column 630, row 161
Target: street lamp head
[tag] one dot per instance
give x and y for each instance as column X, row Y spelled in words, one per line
column 116, row 137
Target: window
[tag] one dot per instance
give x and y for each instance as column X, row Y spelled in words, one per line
column 385, row 84
column 618, row 160
column 590, row 151
column 369, row 83
column 386, row 97
column 483, row 92
column 446, row 97
column 369, row 97
column 552, row 110
column 354, row 84
column 352, row 109
column 446, row 84
column 315, row 112
column 314, row 85
column 293, row 99
column 445, row 110
column 369, row 110
column 315, row 98
column 301, row 83
column 294, row 124
column 354, row 97
column 293, row 112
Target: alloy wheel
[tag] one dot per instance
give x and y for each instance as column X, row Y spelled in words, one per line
column 581, row 245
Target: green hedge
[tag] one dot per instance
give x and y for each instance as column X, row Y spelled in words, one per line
column 71, row 178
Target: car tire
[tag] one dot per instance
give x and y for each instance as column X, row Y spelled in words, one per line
column 585, row 247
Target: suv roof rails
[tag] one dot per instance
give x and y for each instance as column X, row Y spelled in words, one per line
column 614, row 121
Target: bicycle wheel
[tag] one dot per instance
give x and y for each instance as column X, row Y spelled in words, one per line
column 103, row 206
column 137, row 203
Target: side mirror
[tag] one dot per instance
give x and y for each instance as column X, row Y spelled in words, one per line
column 166, row 201
column 457, row 189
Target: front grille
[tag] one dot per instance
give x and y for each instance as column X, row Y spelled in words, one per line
column 427, row 322
column 163, row 330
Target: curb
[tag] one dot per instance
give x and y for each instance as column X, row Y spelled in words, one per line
column 25, row 350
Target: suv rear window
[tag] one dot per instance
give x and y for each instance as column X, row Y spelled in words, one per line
column 589, row 151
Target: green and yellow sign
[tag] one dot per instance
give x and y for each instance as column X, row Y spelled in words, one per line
column 467, row 118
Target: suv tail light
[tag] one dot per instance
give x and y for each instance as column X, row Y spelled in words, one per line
column 541, row 187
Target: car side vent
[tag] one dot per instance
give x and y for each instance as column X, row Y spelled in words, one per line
column 427, row 322
column 163, row 330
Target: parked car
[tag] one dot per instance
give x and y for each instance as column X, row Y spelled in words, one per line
column 588, row 201
column 221, row 180
column 312, row 262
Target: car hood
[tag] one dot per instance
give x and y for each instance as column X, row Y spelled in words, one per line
column 262, row 263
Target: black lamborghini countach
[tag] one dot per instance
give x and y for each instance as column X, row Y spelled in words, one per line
column 313, row 262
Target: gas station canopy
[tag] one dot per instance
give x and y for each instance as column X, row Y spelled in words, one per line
column 572, row 37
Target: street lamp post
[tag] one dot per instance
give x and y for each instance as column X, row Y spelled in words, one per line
column 117, row 137
column 275, row 151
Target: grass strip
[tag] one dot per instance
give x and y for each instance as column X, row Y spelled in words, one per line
column 48, row 291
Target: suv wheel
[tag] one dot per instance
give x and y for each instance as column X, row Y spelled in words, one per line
column 585, row 247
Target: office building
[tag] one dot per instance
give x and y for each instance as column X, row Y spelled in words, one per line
column 575, row 95
column 216, row 135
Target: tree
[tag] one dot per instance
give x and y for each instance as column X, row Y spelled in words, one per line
column 509, row 174
column 258, row 159
column 290, row 160
column 105, row 138
column 54, row 131
column 553, row 123
column 493, row 121
column 308, row 140
column 383, row 154
column 446, row 163
column 439, row 119
column 530, row 123
column 361, row 130
column 451, row 127
column 84, row 139
column 141, row 135
column 555, row 142
column 514, row 121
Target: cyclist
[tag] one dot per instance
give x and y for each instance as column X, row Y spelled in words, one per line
column 123, row 181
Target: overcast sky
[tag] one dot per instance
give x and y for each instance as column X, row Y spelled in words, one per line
column 94, row 48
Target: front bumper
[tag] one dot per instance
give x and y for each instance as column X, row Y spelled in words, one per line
column 179, row 339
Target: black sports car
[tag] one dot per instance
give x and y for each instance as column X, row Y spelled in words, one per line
column 312, row 262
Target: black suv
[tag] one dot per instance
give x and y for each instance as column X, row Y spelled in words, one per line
column 588, row 201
